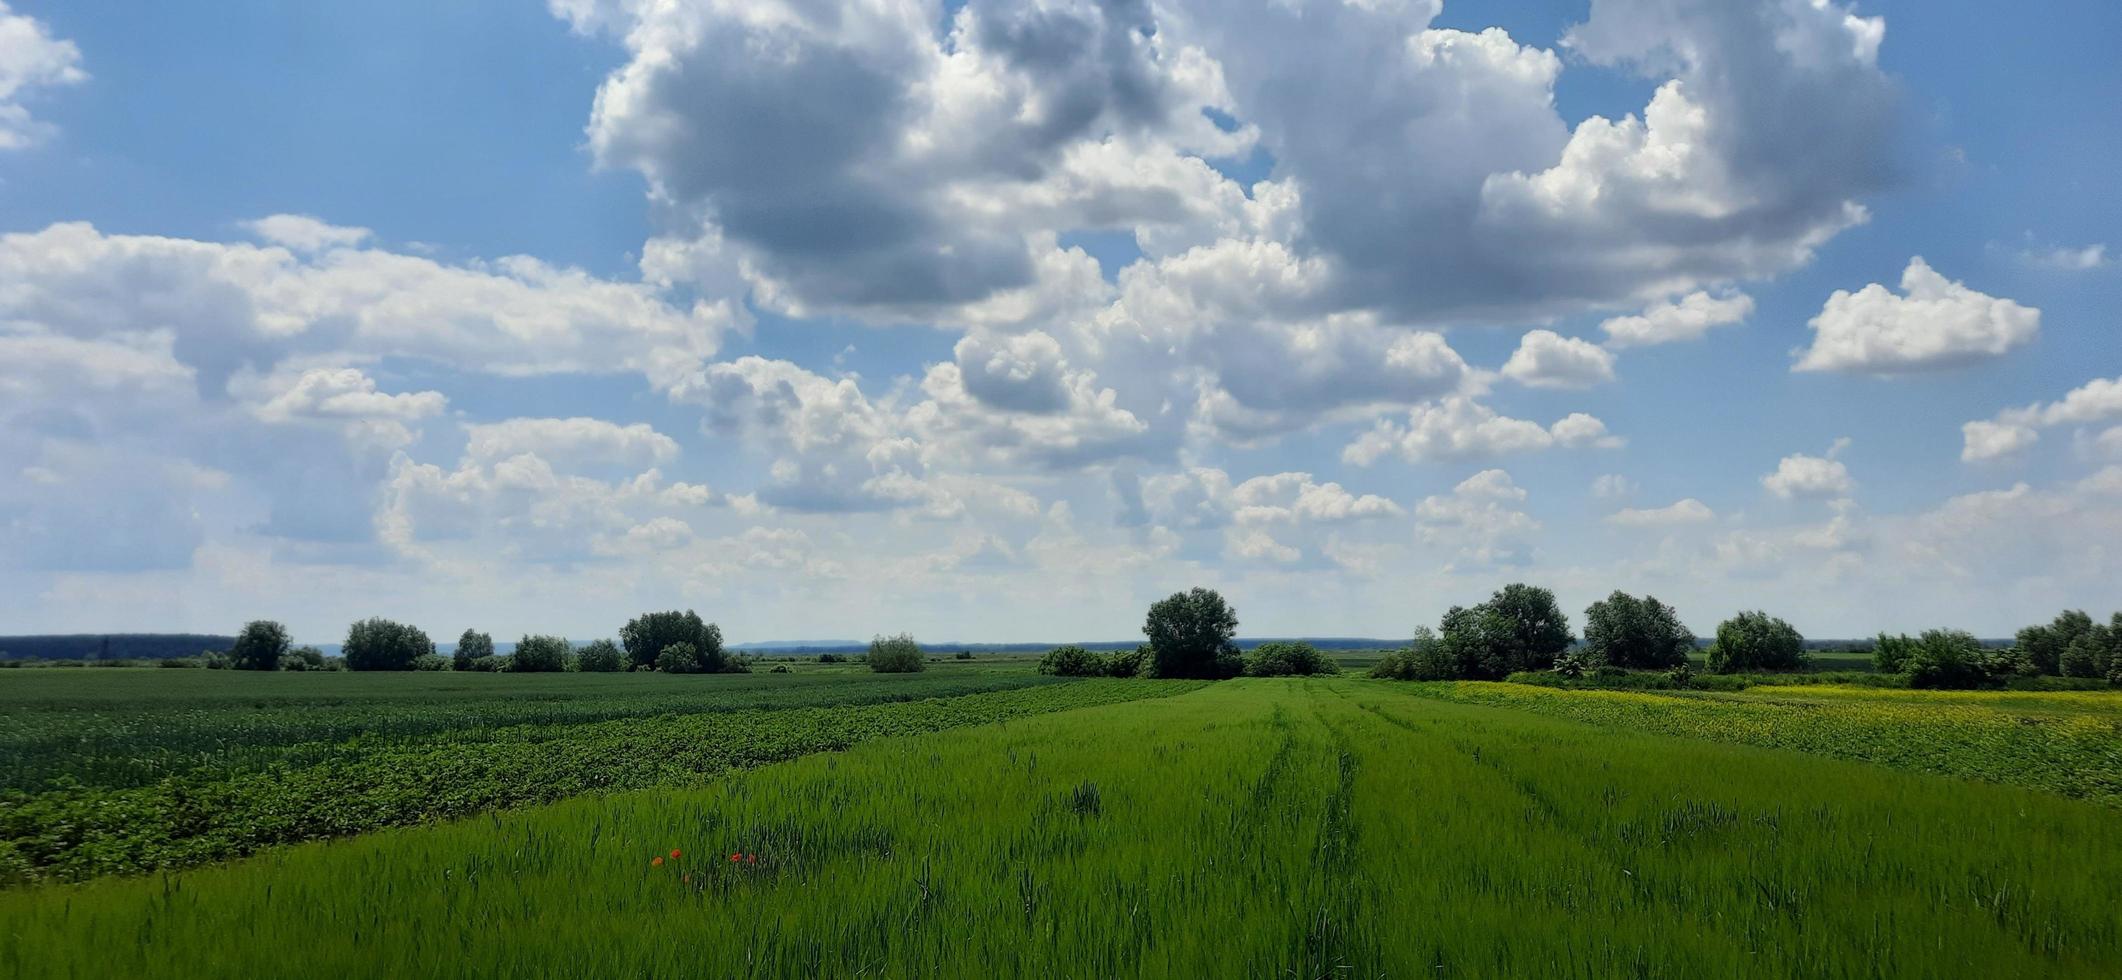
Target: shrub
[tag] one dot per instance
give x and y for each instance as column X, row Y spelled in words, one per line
column 1427, row 659
column 1073, row 661
column 379, row 644
column 190, row 662
column 1889, row 654
column 964, row 655
column 646, row 636
column 303, row 658
column 831, row 658
column 1574, row 664
column 896, row 655
column 430, row 661
column 489, row 665
column 680, row 658
column 1754, row 642
column 542, row 655
column 780, row 669
column 1190, row 636
column 1637, row 634
column 1288, row 659
column 471, row 646
column 1128, row 664
column 600, row 657
column 260, row 646
column 1946, row 659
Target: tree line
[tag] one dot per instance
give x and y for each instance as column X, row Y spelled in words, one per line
column 1520, row 630
column 670, row 642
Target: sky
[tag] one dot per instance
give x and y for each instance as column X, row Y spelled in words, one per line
column 997, row 321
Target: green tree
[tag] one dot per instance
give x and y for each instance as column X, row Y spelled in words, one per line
column 600, row 657
column 1190, row 635
column 1946, row 659
column 645, row 636
column 1426, row 659
column 1072, row 661
column 1519, row 628
column 380, row 644
column 1532, row 629
column 1755, row 641
column 471, row 646
column 1128, row 664
column 680, row 658
column 1288, row 659
column 304, row 658
column 260, row 646
column 1889, row 654
column 1638, row 634
column 896, row 655
column 2044, row 645
column 542, row 654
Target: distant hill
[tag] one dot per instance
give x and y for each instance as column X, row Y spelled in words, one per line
column 111, row 646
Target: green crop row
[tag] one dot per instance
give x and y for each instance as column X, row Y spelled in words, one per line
column 122, row 728
column 79, row 832
column 1256, row 828
column 2065, row 742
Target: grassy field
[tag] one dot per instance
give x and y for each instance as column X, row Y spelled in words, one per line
column 1248, row 828
column 2066, row 742
column 278, row 758
column 125, row 727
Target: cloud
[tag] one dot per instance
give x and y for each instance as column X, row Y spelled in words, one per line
column 1545, row 359
column 346, row 393
column 1670, row 321
column 823, row 147
column 1480, row 520
column 230, row 306
column 306, row 234
column 570, row 442
column 1687, row 511
column 2015, row 430
column 1936, row 323
column 1204, row 497
column 1460, row 428
column 1612, row 485
column 30, row 60
column 1435, row 173
column 1799, row 475
column 1994, row 440
column 2067, row 259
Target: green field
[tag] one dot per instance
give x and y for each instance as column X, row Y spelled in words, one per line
column 117, row 771
column 1249, row 828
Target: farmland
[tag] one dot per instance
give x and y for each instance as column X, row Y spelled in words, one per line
column 1255, row 827
column 280, row 758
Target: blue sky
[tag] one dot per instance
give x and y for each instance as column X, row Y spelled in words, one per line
column 997, row 321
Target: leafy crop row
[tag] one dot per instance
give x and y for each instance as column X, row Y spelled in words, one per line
column 120, row 729
column 80, row 832
column 1255, row 828
column 2070, row 743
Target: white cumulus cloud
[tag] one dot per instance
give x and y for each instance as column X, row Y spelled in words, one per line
column 1934, row 323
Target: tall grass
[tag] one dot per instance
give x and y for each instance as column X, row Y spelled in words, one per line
column 1255, row 828
column 2065, row 742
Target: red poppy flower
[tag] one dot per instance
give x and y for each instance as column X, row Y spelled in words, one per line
column 734, row 858
column 674, row 852
column 657, row 863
